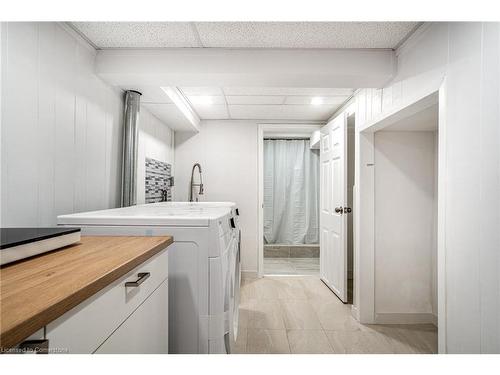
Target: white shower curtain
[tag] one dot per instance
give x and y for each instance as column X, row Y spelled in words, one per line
column 291, row 192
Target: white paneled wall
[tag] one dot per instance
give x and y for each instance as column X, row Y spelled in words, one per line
column 465, row 58
column 61, row 127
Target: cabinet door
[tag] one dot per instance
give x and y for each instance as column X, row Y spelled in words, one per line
column 145, row 331
column 85, row 327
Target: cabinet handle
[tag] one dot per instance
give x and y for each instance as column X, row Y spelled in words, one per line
column 142, row 277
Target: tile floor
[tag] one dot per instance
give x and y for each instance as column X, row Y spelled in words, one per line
column 291, row 266
column 299, row 314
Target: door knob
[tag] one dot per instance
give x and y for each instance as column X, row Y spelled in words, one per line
column 339, row 210
column 347, row 210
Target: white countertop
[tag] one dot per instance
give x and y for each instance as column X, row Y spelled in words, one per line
column 164, row 213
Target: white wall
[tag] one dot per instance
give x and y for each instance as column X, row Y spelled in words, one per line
column 227, row 152
column 405, row 239
column 464, row 57
column 61, row 127
column 156, row 141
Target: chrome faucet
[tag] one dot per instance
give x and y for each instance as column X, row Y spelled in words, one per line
column 192, row 184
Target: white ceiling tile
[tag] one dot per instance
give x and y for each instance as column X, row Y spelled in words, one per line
column 281, row 112
column 212, row 112
column 139, row 34
column 255, row 99
column 268, row 112
column 245, row 34
column 306, row 100
column 205, row 100
column 285, row 91
column 303, row 34
column 216, row 91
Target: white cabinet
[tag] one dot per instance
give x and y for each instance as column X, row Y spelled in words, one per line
column 145, row 331
column 89, row 325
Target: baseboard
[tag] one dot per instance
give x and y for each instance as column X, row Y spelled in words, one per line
column 249, row 274
column 405, row 318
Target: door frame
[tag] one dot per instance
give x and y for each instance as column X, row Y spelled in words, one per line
column 364, row 251
column 267, row 129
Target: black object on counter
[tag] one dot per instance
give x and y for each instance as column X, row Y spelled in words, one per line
column 11, row 237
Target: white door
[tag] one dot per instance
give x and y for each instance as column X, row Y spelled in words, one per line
column 333, row 218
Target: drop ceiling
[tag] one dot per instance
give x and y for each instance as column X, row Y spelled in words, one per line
column 245, row 34
column 244, row 103
column 248, row 103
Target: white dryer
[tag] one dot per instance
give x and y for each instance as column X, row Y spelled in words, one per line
column 232, row 316
column 201, row 266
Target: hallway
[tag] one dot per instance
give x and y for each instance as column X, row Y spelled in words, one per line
column 301, row 315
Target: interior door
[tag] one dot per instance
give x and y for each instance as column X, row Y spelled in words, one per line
column 333, row 223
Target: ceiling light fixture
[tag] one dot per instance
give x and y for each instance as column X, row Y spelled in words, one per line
column 317, row 100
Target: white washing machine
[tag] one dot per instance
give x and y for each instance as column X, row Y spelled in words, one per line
column 202, row 266
column 232, row 319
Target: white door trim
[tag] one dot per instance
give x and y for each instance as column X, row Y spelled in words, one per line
column 275, row 130
column 364, row 252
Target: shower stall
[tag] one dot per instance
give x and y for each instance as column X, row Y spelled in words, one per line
column 290, row 207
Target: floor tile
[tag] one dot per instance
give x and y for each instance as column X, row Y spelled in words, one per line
column 283, row 313
column 290, row 288
column 291, row 266
column 316, row 289
column 351, row 342
column 305, row 261
column 298, row 314
column 241, row 341
column 267, row 288
column 266, row 314
column 279, row 268
column 335, row 316
column 308, row 342
column 267, row 341
column 245, row 313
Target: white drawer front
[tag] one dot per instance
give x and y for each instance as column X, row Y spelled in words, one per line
column 84, row 328
column 145, row 331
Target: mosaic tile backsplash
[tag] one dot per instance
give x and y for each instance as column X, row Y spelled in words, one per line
column 158, row 179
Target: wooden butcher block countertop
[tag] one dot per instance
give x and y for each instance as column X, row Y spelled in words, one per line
column 36, row 291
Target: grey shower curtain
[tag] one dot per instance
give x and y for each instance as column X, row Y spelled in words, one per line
column 291, row 192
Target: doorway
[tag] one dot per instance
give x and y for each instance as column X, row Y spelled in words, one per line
column 406, row 197
column 291, row 204
column 401, row 188
column 288, row 200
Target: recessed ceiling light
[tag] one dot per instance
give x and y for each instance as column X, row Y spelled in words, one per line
column 201, row 99
column 317, row 100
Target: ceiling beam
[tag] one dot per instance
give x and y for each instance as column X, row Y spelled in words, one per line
column 247, row 68
column 183, row 106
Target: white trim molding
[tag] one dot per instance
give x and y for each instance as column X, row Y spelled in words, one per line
column 405, row 318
